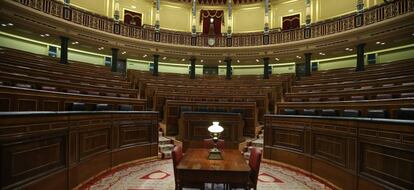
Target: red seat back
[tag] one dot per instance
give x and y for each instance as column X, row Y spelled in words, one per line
column 177, row 155
column 254, row 163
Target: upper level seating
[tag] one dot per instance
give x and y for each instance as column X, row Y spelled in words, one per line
column 386, row 87
column 38, row 83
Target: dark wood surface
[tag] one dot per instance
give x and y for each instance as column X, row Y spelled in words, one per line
column 196, row 168
column 173, row 113
column 194, row 128
column 351, row 153
column 60, row 150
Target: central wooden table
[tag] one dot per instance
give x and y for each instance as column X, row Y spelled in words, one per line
column 196, row 168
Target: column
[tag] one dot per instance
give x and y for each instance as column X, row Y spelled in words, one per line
column 64, row 41
column 360, row 65
column 308, row 13
column 192, row 68
column 266, row 68
column 359, row 18
column 193, row 26
column 157, row 34
column 116, row 11
column 228, row 68
column 308, row 59
column 155, row 71
column 114, row 66
column 266, row 23
column 229, row 41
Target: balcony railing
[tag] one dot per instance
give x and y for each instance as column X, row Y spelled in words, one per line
column 339, row 24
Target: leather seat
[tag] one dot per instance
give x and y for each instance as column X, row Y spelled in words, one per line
column 290, row 111
column 329, row 112
column 406, row 113
column 314, row 99
column 102, row 107
column 77, row 106
column 383, row 96
column 378, row 113
column 351, row 113
column 357, row 97
column 125, row 107
column 407, row 95
column 309, row 112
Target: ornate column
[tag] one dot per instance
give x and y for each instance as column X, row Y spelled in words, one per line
column 359, row 18
column 307, row 33
column 228, row 68
column 192, row 67
column 266, row 22
column 308, row 58
column 193, row 26
column 155, row 71
column 266, row 68
column 229, row 41
column 117, row 27
column 64, row 41
column 157, row 21
column 360, row 66
column 114, row 66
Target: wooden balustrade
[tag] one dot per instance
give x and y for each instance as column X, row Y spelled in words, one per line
column 351, row 153
column 332, row 26
column 61, row 150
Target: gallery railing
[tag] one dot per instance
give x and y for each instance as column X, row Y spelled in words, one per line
column 339, row 24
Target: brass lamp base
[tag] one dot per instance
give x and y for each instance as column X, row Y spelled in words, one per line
column 215, row 154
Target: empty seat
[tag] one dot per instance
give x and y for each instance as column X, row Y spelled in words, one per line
column 309, row 112
column 48, row 88
column 384, row 96
column 387, row 85
column 102, row 107
column 377, row 113
column 289, row 112
column 407, row 95
column 357, row 98
column 77, row 106
column 351, row 113
column 93, row 93
column 73, row 91
column 334, row 99
column 296, row 100
column 111, row 94
column 314, row 99
column 21, row 85
column 408, row 83
column 366, row 87
column 124, row 95
column 406, row 113
column 329, row 112
column 125, row 107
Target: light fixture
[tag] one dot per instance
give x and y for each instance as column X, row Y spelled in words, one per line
column 321, row 53
column 124, row 52
column 144, row 56
column 4, row 25
column 201, row 61
column 219, row 61
column 10, row 24
column 299, row 57
column 215, row 131
column 47, row 35
column 42, row 35
column 257, row 60
column 238, row 61
column 75, row 42
column 276, row 59
column 378, row 43
column 101, row 48
column 383, row 43
column 183, row 59
column 348, row 49
column 164, row 58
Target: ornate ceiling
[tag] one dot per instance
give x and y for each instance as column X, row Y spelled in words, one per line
column 221, row 2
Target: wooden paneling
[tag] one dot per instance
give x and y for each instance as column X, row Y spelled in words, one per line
column 68, row 148
column 351, row 153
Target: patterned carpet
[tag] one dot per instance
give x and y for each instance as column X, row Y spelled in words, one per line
column 158, row 175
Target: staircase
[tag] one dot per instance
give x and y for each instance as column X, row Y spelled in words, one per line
column 165, row 146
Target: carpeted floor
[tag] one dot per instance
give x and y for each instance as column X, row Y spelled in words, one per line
column 158, row 175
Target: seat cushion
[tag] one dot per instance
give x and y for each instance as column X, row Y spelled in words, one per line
column 289, row 111
column 126, row 107
column 309, row 112
column 351, row 113
column 329, row 112
column 77, row 106
column 357, row 98
column 377, row 113
column 102, row 107
column 384, row 96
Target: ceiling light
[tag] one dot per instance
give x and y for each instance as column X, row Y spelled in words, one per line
column 124, row 52
column 164, row 58
column 238, row 61
column 41, row 35
column 101, row 48
column 383, row 43
column 201, row 61
column 378, row 43
column 74, row 43
column 10, row 24
column 276, row 59
column 47, row 35
column 183, row 59
column 3, row 25
column 320, row 53
column 144, row 56
column 299, row 57
column 219, row 61
column 257, row 60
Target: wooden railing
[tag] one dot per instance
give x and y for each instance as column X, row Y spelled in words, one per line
column 332, row 26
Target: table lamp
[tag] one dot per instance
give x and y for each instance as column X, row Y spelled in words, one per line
column 215, row 131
